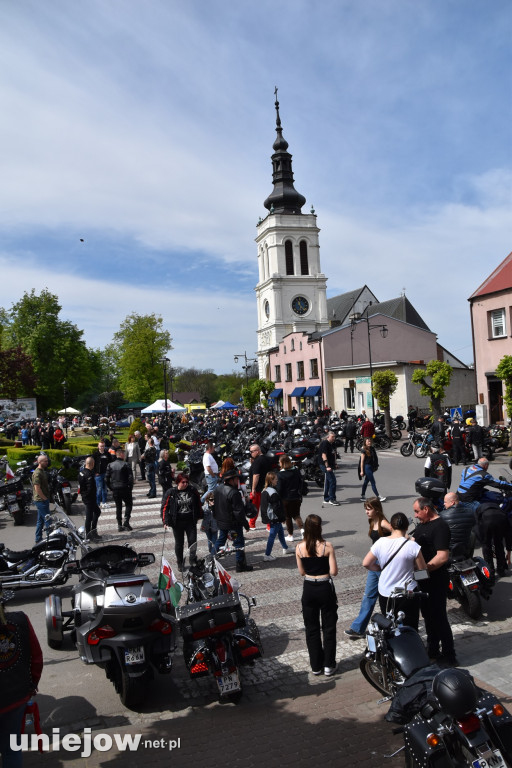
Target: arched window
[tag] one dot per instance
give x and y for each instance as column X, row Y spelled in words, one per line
column 288, row 253
column 304, row 269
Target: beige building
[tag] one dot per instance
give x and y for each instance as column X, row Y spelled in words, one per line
column 491, row 324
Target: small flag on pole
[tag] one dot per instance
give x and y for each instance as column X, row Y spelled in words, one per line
column 167, row 580
column 9, row 474
column 228, row 583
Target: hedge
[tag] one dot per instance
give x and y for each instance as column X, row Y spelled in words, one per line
column 29, row 453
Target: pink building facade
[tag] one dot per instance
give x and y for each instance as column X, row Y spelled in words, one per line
column 295, row 369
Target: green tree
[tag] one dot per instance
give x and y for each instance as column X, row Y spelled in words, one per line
column 251, row 393
column 55, row 346
column 440, row 374
column 196, row 380
column 17, row 376
column 142, row 343
column 504, row 372
column 383, row 388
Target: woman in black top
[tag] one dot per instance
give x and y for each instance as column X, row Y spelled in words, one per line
column 289, row 488
column 316, row 561
column 181, row 509
column 368, row 464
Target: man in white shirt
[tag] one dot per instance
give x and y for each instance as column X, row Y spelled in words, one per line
column 211, row 469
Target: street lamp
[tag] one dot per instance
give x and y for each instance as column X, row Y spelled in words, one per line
column 248, row 365
column 164, row 362
column 355, row 319
column 65, row 388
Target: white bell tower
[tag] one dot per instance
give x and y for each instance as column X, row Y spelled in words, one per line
column 291, row 289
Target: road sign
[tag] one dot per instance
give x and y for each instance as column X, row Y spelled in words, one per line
column 456, row 413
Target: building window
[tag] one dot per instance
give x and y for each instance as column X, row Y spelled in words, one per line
column 288, row 371
column 300, row 346
column 300, row 371
column 314, row 368
column 350, row 400
column 304, row 268
column 497, row 325
column 288, row 253
column 292, row 347
column 277, row 376
column 284, row 348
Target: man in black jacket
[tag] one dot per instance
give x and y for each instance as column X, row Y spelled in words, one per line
column 119, row 479
column 461, row 521
column 102, row 459
column 350, row 434
column 87, row 484
column 229, row 512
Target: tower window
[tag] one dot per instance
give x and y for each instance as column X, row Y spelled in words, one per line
column 288, row 253
column 304, row 268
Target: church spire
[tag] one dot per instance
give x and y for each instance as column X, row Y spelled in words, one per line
column 284, row 198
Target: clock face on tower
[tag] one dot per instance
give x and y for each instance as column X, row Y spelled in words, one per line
column 300, row 305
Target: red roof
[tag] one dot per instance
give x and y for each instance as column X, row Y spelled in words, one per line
column 499, row 280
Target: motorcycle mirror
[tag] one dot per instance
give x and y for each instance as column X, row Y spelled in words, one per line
column 145, row 558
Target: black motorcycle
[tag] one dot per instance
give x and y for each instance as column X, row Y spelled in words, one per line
column 218, row 635
column 119, row 620
column 43, row 564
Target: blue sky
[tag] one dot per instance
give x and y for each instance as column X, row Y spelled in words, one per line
column 146, row 129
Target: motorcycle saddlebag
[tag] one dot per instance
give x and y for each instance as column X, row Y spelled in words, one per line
column 408, row 651
column 220, row 614
column 430, row 487
column 415, row 739
column 501, row 725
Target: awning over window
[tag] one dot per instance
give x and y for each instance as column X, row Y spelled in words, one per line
column 276, row 394
column 312, row 391
column 298, row 392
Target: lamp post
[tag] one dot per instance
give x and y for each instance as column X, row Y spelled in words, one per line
column 246, row 367
column 164, row 362
column 355, row 319
column 65, row 388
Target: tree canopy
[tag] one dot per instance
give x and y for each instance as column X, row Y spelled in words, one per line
column 504, row 372
column 142, row 343
column 440, row 374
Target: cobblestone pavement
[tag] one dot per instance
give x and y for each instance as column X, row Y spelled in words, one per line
column 286, row 715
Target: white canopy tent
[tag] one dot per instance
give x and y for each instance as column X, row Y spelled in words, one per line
column 68, row 412
column 218, row 404
column 159, row 407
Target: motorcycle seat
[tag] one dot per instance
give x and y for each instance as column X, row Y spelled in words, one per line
column 381, row 621
column 15, row 557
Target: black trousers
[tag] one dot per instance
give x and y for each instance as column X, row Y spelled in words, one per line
column 179, row 530
column 351, row 441
column 409, row 605
column 458, row 451
column 92, row 513
column 123, row 495
column 319, row 602
column 433, row 610
column 493, row 532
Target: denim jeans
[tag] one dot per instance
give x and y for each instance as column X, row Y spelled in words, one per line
column 150, row 470
column 101, row 489
column 371, row 592
column 276, row 529
column 43, row 509
column 212, row 482
column 10, row 722
column 238, row 541
column 212, row 541
column 329, row 483
column 369, row 478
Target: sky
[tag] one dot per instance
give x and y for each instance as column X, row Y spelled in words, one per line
column 145, row 129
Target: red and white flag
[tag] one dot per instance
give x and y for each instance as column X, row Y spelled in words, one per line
column 9, row 474
column 228, row 582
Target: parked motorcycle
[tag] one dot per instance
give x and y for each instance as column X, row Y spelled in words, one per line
column 60, row 489
column 118, row 619
column 415, row 439
column 218, row 635
column 44, row 564
column 13, row 497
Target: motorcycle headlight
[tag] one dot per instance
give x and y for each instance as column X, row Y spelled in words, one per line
column 81, row 531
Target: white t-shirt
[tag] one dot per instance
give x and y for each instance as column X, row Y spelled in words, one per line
column 209, row 461
column 400, row 570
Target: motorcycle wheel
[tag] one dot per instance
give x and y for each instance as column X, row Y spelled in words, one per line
column 372, row 674
column 396, row 434
column 132, row 690
column 406, row 449
column 471, row 604
column 18, row 516
column 319, row 478
column 359, row 443
column 54, row 633
column 420, row 451
column 383, row 442
column 67, row 504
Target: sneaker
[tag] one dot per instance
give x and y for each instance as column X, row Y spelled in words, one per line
column 329, row 671
column 120, row 528
column 353, row 634
column 334, row 503
column 127, row 526
column 382, row 498
column 302, row 532
column 287, row 551
column 363, row 498
column 288, row 538
column 268, row 558
column 316, row 673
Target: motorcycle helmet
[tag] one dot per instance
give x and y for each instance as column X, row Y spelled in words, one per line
column 297, row 432
column 67, row 462
column 455, row 692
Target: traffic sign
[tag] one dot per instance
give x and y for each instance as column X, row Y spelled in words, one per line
column 456, row 413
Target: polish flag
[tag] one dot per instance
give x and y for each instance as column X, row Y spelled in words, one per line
column 9, row 474
column 228, row 583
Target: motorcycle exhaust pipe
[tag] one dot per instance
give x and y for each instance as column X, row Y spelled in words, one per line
column 31, row 584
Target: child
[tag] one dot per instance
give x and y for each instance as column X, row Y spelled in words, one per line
column 209, row 523
column 272, row 513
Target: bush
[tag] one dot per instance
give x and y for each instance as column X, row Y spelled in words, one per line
column 28, row 454
column 139, row 425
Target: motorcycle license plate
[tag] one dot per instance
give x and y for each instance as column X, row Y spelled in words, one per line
column 65, row 489
column 496, row 761
column 13, row 508
column 134, row 655
column 228, row 683
column 469, row 578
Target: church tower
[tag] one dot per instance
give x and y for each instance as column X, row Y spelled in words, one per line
column 291, row 289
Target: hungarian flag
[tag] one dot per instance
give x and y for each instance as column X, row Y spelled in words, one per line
column 9, row 474
column 228, row 583
column 167, row 580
